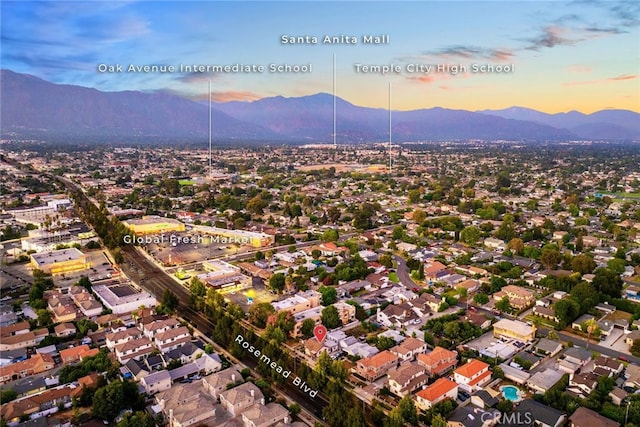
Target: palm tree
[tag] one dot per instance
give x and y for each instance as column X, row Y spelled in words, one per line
column 591, row 326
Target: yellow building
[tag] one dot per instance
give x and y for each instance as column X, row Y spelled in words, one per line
column 514, row 329
column 241, row 237
column 60, row 261
column 153, row 224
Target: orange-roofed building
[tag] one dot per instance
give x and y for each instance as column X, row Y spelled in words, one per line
column 76, row 354
column 374, row 367
column 439, row 361
column 34, row 365
column 472, row 375
column 440, row 390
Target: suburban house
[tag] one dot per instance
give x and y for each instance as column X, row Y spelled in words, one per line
column 34, row 365
column 172, row 339
column 217, row 382
column 76, row 354
column 514, row 329
column 374, row 367
column 442, row 389
column 406, row 378
column 472, row 375
column 156, row 382
column 518, row 297
column 409, row 349
column 64, row 330
column 237, row 399
column 134, row 349
column 439, row 361
column 584, row 417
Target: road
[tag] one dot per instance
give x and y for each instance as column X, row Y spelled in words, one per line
column 404, row 274
column 156, row 281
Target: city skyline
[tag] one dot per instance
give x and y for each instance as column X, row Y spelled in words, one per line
column 563, row 55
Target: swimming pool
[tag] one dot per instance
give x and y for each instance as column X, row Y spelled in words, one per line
column 510, row 392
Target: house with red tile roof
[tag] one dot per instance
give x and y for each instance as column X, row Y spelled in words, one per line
column 374, row 367
column 36, row 364
column 440, row 390
column 439, row 361
column 76, row 354
column 472, row 375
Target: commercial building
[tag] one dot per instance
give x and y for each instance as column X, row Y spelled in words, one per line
column 153, row 224
column 60, row 261
column 123, row 298
column 222, row 275
column 241, row 237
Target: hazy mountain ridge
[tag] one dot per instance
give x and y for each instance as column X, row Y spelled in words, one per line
column 614, row 124
column 30, row 104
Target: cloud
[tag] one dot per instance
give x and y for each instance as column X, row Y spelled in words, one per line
column 579, row 69
column 622, row 77
column 199, row 77
column 551, row 36
column 235, row 96
column 470, row 52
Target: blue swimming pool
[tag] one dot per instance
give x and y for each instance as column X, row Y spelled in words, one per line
column 510, row 392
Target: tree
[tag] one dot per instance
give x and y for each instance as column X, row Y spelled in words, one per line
column 137, row 419
column 386, row 260
column 550, row 258
column 259, row 313
column 566, row 310
column 330, row 235
column 329, row 295
column 330, row 317
column 408, row 410
column 516, row 245
column 438, row 421
column 503, row 304
column 307, row 328
column 481, row 298
column 591, row 326
column 607, row 282
column 583, row 264
column 277, row 282
column 7, row 395
column 108, row 401
column 470, row 234
column 169, row 301
column 419, row 216
column 617, row 265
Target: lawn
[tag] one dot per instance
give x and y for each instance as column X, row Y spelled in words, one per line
column 618, row 314
column 394, row 277
column 186, row 182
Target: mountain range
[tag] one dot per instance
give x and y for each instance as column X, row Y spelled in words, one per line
column 31, row 107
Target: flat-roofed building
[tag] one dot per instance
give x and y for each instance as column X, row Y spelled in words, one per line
column 242, row 237
column 123, row 298
column 514, row 329
column 60, row 261
column 300, row 302
column 221, row 275
column 153, row 224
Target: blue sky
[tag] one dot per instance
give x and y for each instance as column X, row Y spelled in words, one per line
column 566, row 55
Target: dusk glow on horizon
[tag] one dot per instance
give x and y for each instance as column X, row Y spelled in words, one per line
column 473, row 55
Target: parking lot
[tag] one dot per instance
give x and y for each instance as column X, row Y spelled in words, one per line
column 189, row 248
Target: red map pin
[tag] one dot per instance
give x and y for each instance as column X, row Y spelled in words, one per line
column 320, row 332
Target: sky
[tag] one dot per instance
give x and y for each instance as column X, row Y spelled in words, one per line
column 555, row 56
